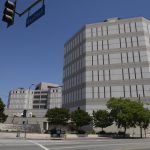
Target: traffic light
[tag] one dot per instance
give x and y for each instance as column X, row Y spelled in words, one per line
column 9, row 13
column 24, row 113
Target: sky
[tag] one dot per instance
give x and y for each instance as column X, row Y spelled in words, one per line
column 35, row 54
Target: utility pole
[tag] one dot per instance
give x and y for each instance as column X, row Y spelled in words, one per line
column 25, row 112
column 10, row 11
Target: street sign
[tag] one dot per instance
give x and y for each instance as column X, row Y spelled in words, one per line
column 35, row 16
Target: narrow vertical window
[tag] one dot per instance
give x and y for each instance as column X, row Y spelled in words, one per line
column 129, row 73
column 130, row 91
column 137, row 90
column 141, row 72
column 124, row 91
column 122, row 74
column 119, row 28
column 143, row 90
column 93, row 92
column 98, row 93
column 104, row 93
column 135, row 73
column 110, row 92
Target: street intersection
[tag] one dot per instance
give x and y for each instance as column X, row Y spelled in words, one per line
column 103, row 144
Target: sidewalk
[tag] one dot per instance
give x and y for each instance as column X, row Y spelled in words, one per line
column 34, row 136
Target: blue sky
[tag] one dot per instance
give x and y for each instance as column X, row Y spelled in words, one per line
column 35, row 54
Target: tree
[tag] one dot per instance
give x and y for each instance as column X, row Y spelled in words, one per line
column 141, row 117
column 58, row 116
column 146, row 120
column 127, row 113
column 102, row 119
column 121, row 112
column 80, row 118
column 3, row 117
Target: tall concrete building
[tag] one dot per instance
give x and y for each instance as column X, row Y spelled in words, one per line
column 107, row 59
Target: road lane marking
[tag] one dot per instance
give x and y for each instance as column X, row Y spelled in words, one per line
column 143, row 148
column 40, row 145
column 102, row 145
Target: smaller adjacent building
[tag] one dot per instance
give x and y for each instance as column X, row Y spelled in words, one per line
column 44, row 96
column 47, row 96
column 20, row 98
column 36, row 102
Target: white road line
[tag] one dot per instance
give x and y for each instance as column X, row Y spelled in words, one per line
column 95, row 145
column 43, row 147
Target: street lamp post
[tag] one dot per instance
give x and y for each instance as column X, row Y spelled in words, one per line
column 27, row 108
column 29, row 95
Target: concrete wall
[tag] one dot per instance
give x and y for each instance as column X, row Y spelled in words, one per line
column 29, row 128
column 17, row 112
column 41, row 122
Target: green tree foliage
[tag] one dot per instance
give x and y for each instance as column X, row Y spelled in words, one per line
column 3, row 117
column 58, row 116
column 146, row 120
column 80, row 118
column 121, row 112
column 127, row 113
column 141, row 118
column 102, row 119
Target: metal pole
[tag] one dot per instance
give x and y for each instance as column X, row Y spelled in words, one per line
column 29, row 94
column 29, row 8
column 25, row 132
column 26, row 122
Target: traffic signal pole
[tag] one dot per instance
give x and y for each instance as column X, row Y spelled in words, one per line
column 10, row 11
column 26, row 110
column 29, row 8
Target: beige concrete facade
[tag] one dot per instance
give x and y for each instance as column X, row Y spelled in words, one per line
column 44, row 96
column 107, row 59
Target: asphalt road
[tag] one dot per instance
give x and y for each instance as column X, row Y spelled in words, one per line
column 104, row 144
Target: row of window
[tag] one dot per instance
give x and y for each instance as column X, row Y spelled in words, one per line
column 117, row 43
column 134, row 91
column 118, row 74
column 74, row 81
column 117, row 29
column 39, row 106
column 75, row 41
column 40, row 96
column 118, row 91
column 105, row 59
column 126, row 42
column 74, row 67
column 74, row 54
column 107, row 30
column 108, row 74
column 45, row 92
column 74, row 96
column 55, row 90
column 37, row 101
column 21, row 92
column 118, row 58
